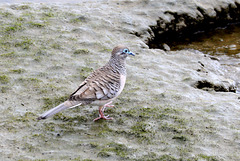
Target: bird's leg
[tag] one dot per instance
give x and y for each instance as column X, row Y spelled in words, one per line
column 101, row 112
column 108, row 104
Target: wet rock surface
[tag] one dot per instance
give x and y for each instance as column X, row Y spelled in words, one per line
column 176, row 105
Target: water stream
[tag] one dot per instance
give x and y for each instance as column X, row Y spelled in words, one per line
column 223, row 43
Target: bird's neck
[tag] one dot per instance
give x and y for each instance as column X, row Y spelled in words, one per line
column 118, row 65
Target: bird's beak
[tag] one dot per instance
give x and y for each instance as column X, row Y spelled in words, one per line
column 130, row 53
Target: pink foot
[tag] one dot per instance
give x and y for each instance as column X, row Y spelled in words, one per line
column 103, row 117
column 101, row 112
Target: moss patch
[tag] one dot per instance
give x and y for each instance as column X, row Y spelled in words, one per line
column 4, row 79
column 206, row 157
column 24, row 43
column 18, row 71
column 13, row 28
column 27, row 117
column 117, row 149
column 85, row 71
column 81, row 51
column 9, row 55
column 21, row 7
column 53, row 102
column 36, row 24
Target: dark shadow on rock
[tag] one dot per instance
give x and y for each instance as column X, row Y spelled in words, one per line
column 209, row 86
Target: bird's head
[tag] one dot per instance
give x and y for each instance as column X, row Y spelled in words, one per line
column 121, row 52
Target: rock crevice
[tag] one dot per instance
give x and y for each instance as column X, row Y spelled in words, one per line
column 186, row 26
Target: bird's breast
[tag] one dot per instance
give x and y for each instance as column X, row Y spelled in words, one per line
column 122, row 84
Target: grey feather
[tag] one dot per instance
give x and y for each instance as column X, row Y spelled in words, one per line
column 53, row 111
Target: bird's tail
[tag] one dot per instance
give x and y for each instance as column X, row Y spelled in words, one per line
column 53, row 111
column 63, row 106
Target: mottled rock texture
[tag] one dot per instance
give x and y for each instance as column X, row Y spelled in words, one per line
column 176, row 105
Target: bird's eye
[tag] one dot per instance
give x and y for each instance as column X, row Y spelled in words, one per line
column 125, row 50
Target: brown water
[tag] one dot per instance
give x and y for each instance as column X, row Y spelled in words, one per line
column 221, row 41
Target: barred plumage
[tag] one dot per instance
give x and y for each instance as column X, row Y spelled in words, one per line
column 101, row 87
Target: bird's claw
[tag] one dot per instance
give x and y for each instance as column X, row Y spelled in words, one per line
column 101, row 112
column 103, row 117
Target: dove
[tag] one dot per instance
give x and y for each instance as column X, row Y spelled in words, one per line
column 101, row 87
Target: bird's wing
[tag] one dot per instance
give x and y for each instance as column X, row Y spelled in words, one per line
column 98, row 86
